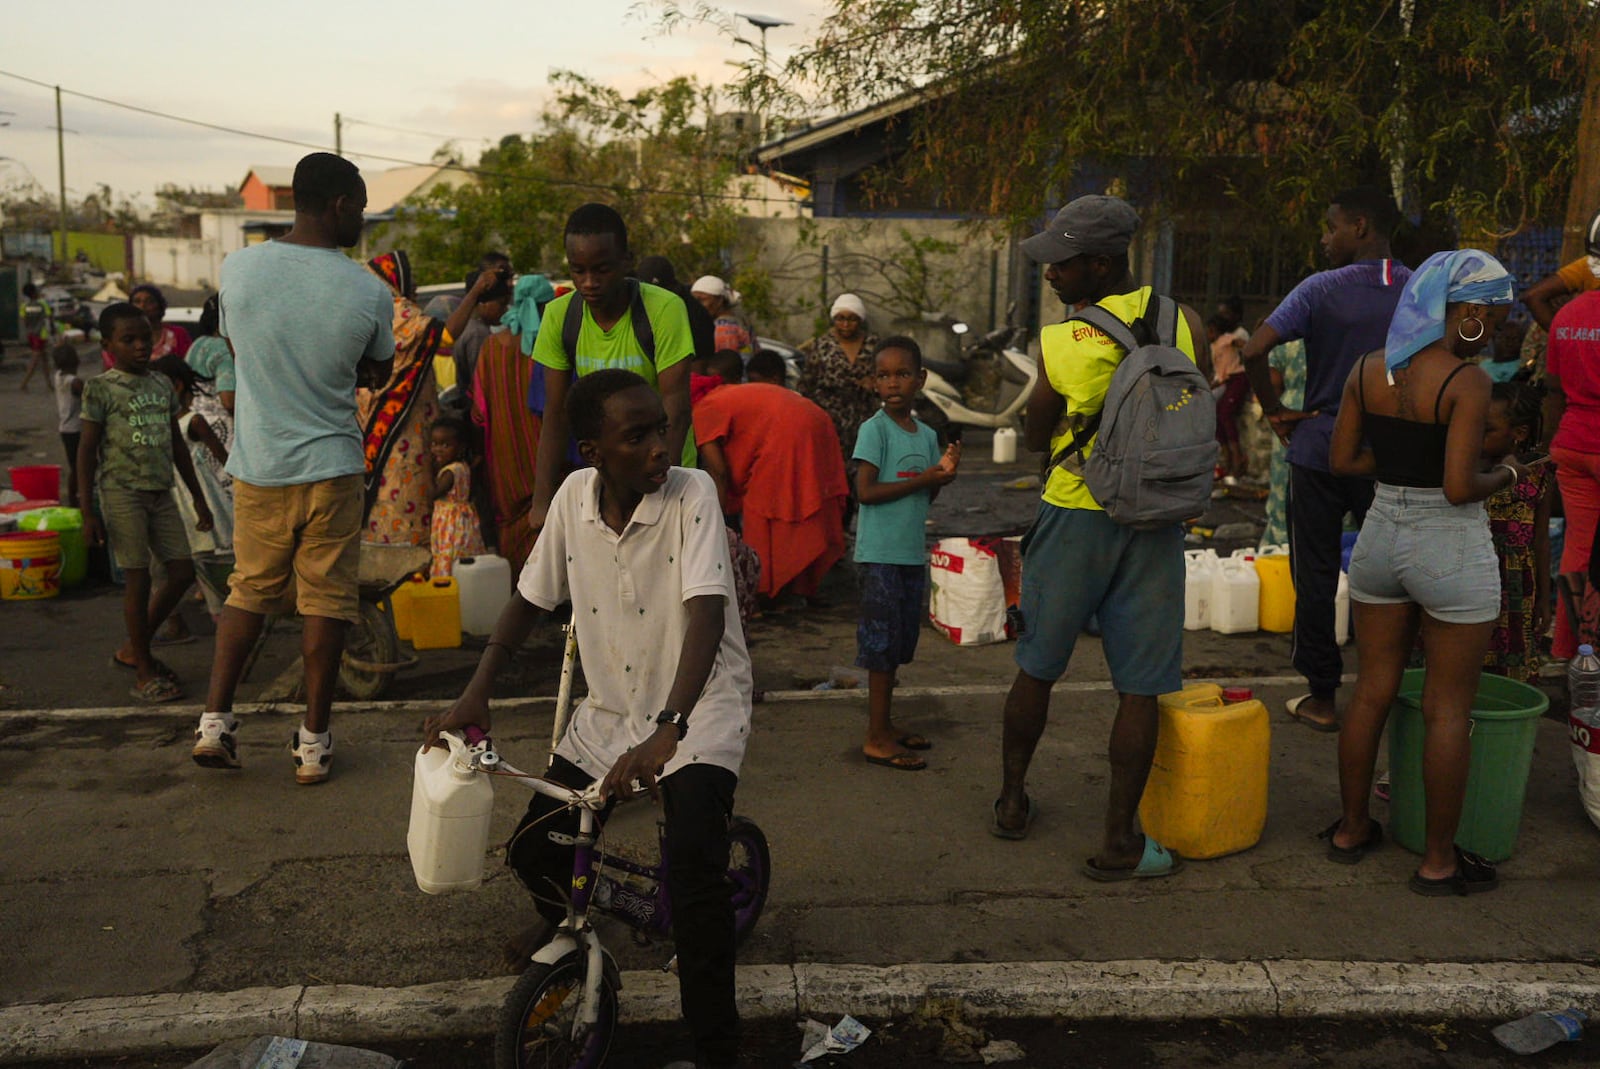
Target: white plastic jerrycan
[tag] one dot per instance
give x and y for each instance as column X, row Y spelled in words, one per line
column 1003, row 449
column 1198, row 566
column 484, row 583
column 451, row 807
column 1235, row 597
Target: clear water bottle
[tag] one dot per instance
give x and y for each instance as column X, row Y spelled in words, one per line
column 1583, row 686
column 1542, row 1030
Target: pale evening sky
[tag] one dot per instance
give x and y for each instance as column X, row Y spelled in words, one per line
column 475, row 70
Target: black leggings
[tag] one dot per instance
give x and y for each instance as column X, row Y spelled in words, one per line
column 698, row 803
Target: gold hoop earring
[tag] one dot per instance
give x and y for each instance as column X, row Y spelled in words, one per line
column 1462, row 335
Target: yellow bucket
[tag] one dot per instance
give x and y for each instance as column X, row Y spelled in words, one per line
column 30, row 566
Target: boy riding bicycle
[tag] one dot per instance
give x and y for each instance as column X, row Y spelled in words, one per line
column 637, row 546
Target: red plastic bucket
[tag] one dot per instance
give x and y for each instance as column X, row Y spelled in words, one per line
column 37, row 481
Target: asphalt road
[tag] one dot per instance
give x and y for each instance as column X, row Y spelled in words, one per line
column 1045, row 1044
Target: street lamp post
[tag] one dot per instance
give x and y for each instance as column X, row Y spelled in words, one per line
column 763, row 23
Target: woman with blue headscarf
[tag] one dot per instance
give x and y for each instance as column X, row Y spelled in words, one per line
column 1412, row 417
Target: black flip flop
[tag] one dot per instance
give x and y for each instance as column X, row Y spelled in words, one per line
column 913, row 741
column 1473, row 876
column 1350, row 855
column 904, row 761
column 1000, row 831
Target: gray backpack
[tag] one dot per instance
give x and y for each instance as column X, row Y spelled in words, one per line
column 1156, row 454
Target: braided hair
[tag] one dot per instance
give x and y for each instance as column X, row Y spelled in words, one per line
column 1524, row 407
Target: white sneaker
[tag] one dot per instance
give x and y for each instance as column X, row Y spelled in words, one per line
column 214, row 744
column 312, row 760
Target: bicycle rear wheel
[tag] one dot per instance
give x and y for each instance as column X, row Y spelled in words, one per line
column 535, row 1026
column 750, row 871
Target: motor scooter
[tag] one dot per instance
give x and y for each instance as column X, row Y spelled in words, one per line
column 989, row 385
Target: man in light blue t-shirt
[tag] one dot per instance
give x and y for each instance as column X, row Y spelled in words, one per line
column 304, row 320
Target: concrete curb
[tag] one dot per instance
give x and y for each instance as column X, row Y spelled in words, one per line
column 771, row 697
column 1129, row 990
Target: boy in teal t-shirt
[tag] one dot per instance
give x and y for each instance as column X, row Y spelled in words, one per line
column 899, row 472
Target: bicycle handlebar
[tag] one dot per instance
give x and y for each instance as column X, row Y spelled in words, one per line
column 478, row 755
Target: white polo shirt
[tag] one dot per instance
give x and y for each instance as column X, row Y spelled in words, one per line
column 628, row 593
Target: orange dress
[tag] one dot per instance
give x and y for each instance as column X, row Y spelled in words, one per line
column 787, row 476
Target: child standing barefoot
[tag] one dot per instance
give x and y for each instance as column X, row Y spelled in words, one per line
column 1519, row 520
column 900, row 472
column 456, row 533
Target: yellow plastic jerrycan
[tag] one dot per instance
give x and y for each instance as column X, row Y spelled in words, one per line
column 1207, row 792
column 435, row 614
column 402, row 600
column 1277, row 591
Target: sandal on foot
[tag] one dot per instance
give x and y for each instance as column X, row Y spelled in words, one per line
column 161, row 667
column 913, row 741
column 1156, row 862
column 1293, row 706
column 155, row 691
column 1350, row 855
column 904, row 761
column 1474, row 875
column 1000, row 831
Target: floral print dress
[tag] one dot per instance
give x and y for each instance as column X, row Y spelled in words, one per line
column 832, row 380
column 1514, row 644
column 456, row 532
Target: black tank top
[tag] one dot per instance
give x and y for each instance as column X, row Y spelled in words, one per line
column 1408, row 452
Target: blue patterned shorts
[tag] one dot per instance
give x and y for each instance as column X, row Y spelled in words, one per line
column 891, row 614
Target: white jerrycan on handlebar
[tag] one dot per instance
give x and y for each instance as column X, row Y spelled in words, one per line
column 452, row 806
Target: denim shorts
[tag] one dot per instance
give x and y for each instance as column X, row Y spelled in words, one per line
column 1417, row 548
column 891, row 614
column 1078, row 563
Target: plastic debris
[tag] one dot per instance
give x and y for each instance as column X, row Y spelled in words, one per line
column 841, row 677
column 1001, row 1050
column 817, row 1039
column 1540, row 1031
column 282, row 1052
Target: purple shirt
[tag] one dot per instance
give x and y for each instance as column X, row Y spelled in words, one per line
column 1342, row 314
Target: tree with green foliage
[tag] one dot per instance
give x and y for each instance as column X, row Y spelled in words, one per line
column 1469, row 108
column 656, row 156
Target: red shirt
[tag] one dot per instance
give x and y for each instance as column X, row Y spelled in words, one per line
column 1574, row 359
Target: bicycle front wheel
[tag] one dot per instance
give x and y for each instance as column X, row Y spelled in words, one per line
column 750, row 873
column 535, row 1028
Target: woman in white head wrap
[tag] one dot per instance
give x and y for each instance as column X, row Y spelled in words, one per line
column 718, row 298
column 1413, row 418
column 838, row 370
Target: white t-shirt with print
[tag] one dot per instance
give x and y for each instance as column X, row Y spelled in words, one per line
column 628, row 593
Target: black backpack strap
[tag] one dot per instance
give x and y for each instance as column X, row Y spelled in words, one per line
column 571, row 327
column 644, row 332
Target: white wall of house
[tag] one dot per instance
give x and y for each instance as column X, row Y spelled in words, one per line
column 196, row 263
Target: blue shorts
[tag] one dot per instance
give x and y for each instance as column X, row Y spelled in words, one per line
column 1417, row 548
column 1078, row 563
column 891, row 614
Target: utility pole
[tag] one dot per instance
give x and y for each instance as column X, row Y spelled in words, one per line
column 1585, row 195
column 338, row 134
column 61, row 170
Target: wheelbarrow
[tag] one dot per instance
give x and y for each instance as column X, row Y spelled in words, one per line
column 371, row 645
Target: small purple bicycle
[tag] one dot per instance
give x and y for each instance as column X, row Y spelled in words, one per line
column 562, row 1011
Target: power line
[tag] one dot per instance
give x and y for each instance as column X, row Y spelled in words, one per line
column 571, row 183
column 348, row 121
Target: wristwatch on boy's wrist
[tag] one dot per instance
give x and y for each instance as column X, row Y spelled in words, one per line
column 676, row 719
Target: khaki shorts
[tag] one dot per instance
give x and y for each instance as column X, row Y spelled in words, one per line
column 142, row 523
column 297, row 547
